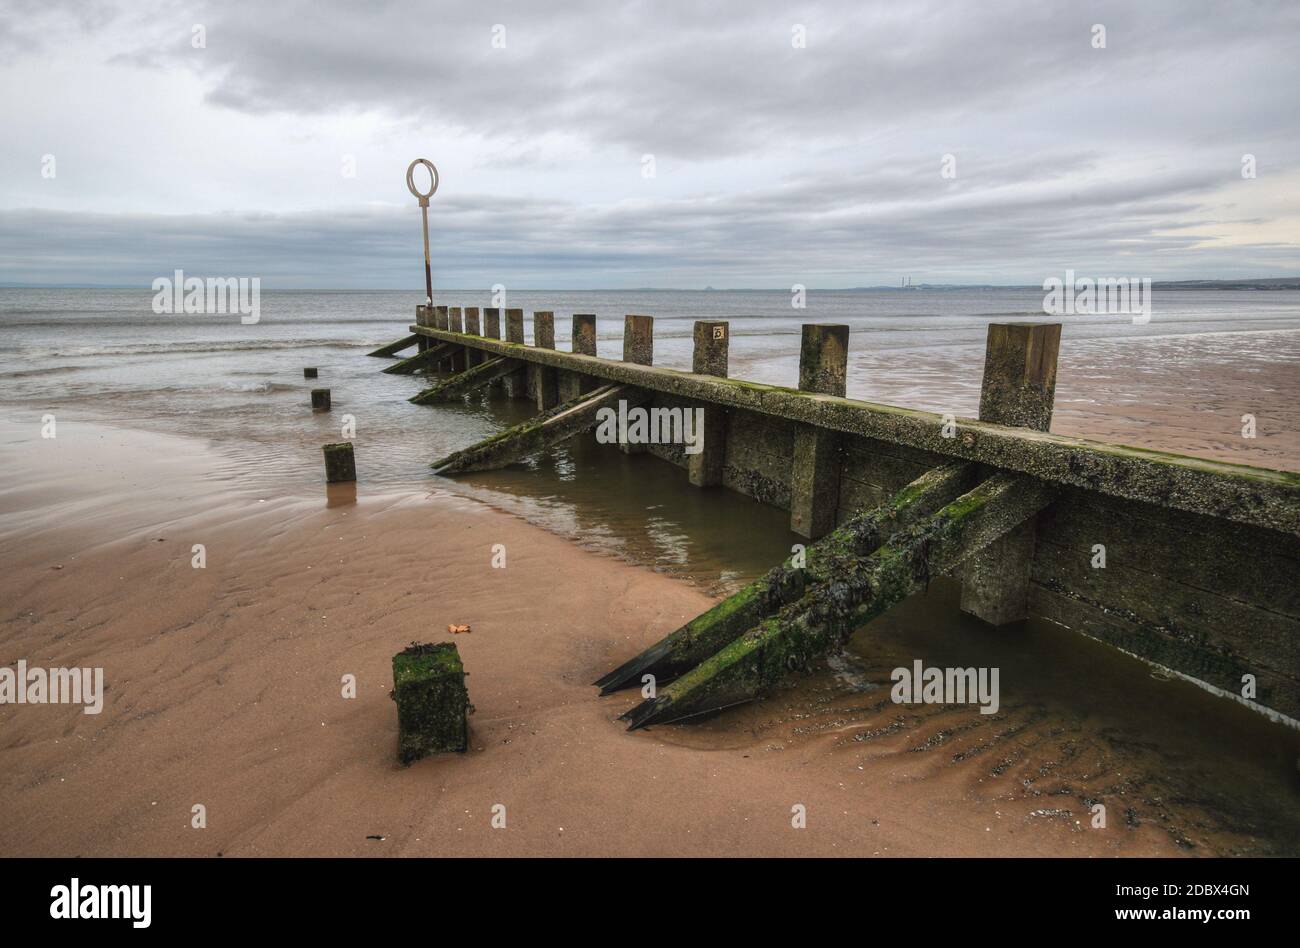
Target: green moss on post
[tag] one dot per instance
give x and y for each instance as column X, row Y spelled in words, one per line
column 432, row 701
column 339, row 463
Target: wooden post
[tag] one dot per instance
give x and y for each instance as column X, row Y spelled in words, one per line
column 573, row 384
column 638, row 347
column 543, row 384
column 340, row 466
column 320, row 399
column 704, row 468
column 492, row 322
column 422, row 318
column 309, row 373
column 1019, row 389
column 516, row 384
column 815, row 473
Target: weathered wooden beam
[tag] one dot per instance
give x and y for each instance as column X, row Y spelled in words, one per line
column 542, row 431
column 420, row 360
column 709, row 357
column 815, row 470
column 859, row 536
column 1254, row 495
column 830, row 612
column 466, row 382
column 395, row 347
column 1018, row 389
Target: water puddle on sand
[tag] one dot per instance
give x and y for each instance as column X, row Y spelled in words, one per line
column 1079, row 723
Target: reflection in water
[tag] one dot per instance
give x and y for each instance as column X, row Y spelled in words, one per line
column 341, row 495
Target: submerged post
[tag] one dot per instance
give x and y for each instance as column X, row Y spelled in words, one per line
column 573, row 384
column 712, row 338
column 320, row 399
column 310, row 372
column 1019, row 389
column 815, row 473
column 340, row 466
column 543, row 384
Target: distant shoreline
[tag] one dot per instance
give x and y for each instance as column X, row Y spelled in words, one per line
column 1267, row 283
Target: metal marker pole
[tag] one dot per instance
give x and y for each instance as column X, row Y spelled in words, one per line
column 424, row 216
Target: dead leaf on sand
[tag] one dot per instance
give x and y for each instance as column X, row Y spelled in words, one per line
column 457, row 629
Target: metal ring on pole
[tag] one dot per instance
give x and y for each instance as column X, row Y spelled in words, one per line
column 410, row 180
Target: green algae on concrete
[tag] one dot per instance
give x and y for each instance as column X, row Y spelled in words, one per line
column 476, row 377
column 856, row 591
column 839, row 551
column 1246, row 494
column 432, row 701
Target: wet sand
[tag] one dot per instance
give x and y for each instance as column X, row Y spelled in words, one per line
column 224, row 689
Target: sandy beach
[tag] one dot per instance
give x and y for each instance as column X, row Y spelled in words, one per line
column 223, row 688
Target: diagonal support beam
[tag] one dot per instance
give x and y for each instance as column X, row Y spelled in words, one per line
column 395, row 347
column 456, row 386
column 829, row 613
column 541, row 431
column 859, row 536
column 430, row 356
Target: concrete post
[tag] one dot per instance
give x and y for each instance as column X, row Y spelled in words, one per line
column 573, row 384
column 639, row 339
column 815, row 473
column 543, row 383
column 1019, row 389
column 710, row 358
column 422, row 318
column 455, row 323
column 473, row 356
column 516, row 383
column 339, row 463
column 638, row 347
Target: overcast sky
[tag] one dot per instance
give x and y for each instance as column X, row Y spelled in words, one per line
column 774, row 163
